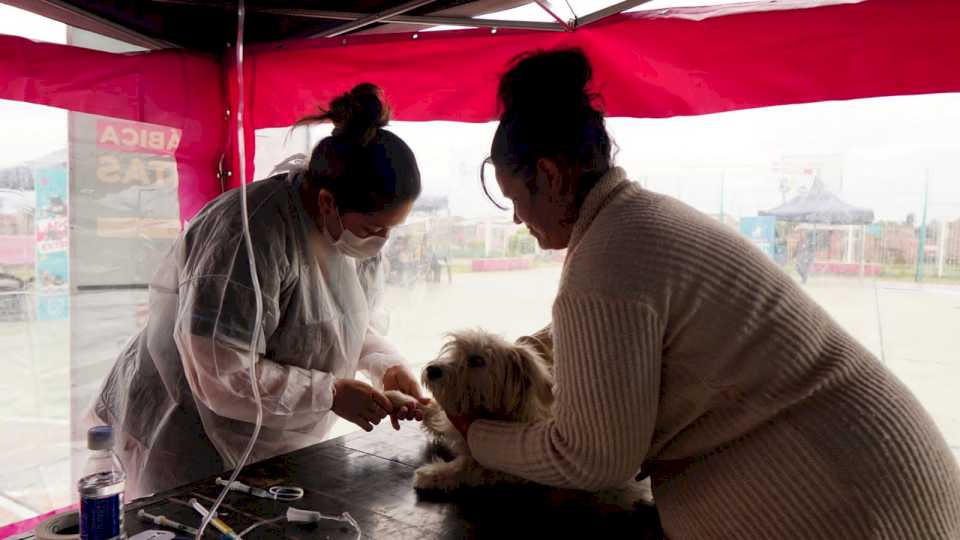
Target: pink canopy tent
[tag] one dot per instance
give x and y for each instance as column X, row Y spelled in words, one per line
column 647, row 65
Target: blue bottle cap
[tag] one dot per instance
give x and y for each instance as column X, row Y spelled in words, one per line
column 100, row 438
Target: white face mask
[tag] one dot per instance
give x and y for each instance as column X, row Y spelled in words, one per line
column 352, row 245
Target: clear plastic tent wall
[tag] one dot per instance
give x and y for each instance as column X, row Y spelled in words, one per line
column 148, row 140
column 130, row 148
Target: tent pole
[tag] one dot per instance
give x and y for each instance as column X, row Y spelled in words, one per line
column 371, row 19
column 67, row 13
column 863, row 244
column 942, row 248
column 608, row 11
column 922, row 244
column 545, row 5
column 848, row 256
column 415, row 20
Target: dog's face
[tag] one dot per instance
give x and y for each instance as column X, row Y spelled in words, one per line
column 483, row 376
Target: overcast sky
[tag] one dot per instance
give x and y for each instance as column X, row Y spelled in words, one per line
column 876, row 153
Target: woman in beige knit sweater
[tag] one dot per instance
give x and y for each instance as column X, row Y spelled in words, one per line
column 682, row 351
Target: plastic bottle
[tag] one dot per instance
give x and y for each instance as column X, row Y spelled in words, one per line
column 101, row 489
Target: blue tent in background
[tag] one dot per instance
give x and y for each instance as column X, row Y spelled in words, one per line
column 820, row 206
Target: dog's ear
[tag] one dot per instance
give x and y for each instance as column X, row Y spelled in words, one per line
column 535, row 371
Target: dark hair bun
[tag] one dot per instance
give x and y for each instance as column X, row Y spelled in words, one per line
column 356, row 115
column 359, row 113
column 546, row 80
column 547, row 111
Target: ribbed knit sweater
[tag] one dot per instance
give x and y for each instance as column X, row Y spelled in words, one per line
column 682, row 350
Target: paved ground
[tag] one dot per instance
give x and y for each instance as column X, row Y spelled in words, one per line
column 45, row 377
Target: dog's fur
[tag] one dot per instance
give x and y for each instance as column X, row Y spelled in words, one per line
column 479, row 375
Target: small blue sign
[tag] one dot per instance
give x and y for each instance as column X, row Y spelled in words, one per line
column 761, row 230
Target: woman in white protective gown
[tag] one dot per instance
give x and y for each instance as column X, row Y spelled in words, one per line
column 179, row 396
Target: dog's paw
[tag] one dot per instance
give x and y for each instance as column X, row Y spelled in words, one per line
column 433, row 415
column 435, row 421
column 436, row 477
column 398, row 399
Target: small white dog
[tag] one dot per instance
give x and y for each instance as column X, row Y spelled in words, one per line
column 481, row 375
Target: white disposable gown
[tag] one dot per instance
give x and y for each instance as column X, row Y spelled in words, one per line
column 179, row 396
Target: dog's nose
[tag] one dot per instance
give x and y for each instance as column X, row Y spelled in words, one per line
column 434, row 373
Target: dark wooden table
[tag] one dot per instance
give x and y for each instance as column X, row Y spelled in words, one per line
column 370, row 475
